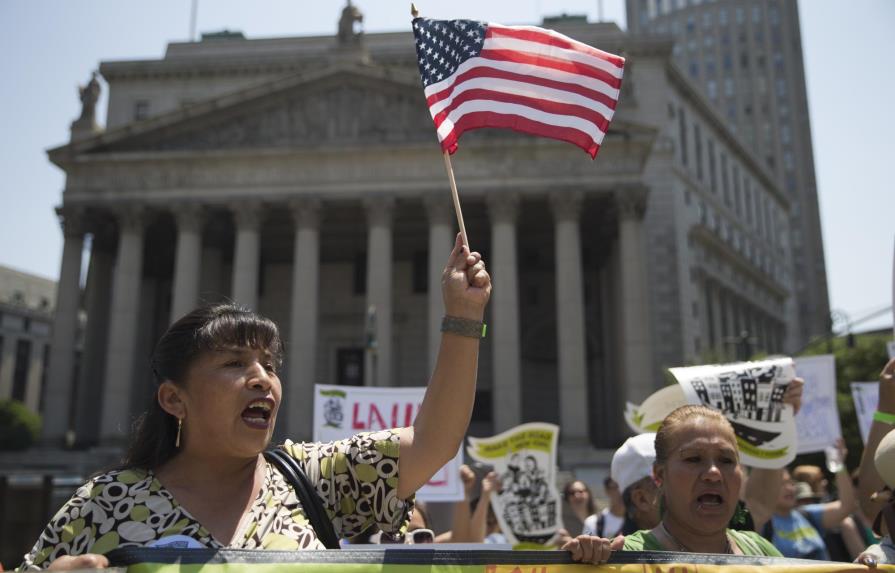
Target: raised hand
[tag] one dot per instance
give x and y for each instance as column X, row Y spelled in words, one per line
column 589, row 549
column 793, row 395
column 465, row 284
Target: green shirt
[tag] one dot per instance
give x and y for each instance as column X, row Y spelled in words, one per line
column 749, row 542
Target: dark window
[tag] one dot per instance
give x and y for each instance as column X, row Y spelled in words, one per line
column 725, row 187
column 420, row 272
column 682, row 126
column 20, row 374
column 350, row 366
column 360, row 273
column 744, row 61
column 713, row 176
column 697, row 137
column 737, row 198
column 481, row 410
column 141, row 109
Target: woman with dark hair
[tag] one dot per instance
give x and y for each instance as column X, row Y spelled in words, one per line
column 195, row 475
column 699, row 479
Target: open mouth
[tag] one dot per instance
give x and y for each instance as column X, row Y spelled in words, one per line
column 258, row 413
column 710, row 500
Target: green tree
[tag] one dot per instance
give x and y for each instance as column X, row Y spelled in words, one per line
column 19, row 426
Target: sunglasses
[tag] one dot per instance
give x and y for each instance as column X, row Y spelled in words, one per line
column 418, row 536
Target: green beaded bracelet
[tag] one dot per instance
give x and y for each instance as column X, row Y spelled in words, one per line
column 884, row 417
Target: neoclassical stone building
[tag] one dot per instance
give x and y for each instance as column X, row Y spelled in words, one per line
column 302, row 177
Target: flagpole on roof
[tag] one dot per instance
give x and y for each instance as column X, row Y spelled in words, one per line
column 450, row 171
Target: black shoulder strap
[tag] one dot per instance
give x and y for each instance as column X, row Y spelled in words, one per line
column 307, row 495
column 767, row 531
column 601, row 524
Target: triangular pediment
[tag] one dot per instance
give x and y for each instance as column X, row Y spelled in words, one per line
column 337, row 107
column 345, row 106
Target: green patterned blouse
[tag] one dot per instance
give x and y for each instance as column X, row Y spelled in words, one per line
column 357, row 478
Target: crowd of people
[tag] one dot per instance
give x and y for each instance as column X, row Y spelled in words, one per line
column 196, row 475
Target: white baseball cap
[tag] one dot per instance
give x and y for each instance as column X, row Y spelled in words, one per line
column 884, row 459
column 634, row 460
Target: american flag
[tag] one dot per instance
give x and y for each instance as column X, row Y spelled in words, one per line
column 523, row 78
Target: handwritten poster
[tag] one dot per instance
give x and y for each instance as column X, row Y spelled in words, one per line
column 817, row 423
column 342, row 411
column 750, row 394
column 528, row 505
column 866, row 398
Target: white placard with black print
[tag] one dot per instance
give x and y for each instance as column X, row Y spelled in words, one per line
column 750, row 394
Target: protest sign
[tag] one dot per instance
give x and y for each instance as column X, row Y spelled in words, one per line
column 648, row 416
column 342, row 411
column 866, row 398
column 750, row 394
column 528, row 505
column 890, row 347
column 817, row 423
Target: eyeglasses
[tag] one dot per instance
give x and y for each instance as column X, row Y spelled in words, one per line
column 422, row 535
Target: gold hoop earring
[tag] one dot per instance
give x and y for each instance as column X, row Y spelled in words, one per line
column 179, row 427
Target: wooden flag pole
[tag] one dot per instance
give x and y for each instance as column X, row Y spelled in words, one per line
column 456, row 198
column 450, row 171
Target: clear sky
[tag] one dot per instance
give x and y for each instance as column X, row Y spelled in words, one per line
column 51, row 46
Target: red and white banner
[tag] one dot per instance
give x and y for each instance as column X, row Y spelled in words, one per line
column 342, row 411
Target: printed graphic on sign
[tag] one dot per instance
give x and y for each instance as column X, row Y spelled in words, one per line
column 648, row 416
column 528, row 504
column 750, row 394
column 865, row 395
column 342, row 411
column 817, row 423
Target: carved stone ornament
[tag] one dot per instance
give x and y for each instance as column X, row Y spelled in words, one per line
column 130, row 217
column 631, row 201
column 247, row 214
column 72, row 221
column 503, row 207
column 349, row 25
column 566, row 205
column 380, row 210
column 306, row 212
column 190, row 216
column 359, row 111
column 89, row 95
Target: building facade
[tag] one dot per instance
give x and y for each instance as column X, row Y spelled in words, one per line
column 302, row 177
column 26, row 315
column 746, row 56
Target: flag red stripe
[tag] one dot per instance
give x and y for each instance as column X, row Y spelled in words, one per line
column 487, row 72
column 544, row 61
column 476, row 120
column 546, row 106
column 551, row 40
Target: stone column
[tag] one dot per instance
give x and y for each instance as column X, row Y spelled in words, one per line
column 246, row 259
column 507, row 378
column 60, row 375
column 96, row 336
column 303, row 330
column 637, row 355
column 379, row 286
column 441, row 241
column 187, row 260
column 570, row 329
column 123, row 322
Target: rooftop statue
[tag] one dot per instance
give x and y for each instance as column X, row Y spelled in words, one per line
column 348, row 33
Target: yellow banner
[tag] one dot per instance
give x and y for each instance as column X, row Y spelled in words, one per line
column 404, row 559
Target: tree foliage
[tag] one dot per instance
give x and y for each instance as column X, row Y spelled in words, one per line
column 19, row 426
